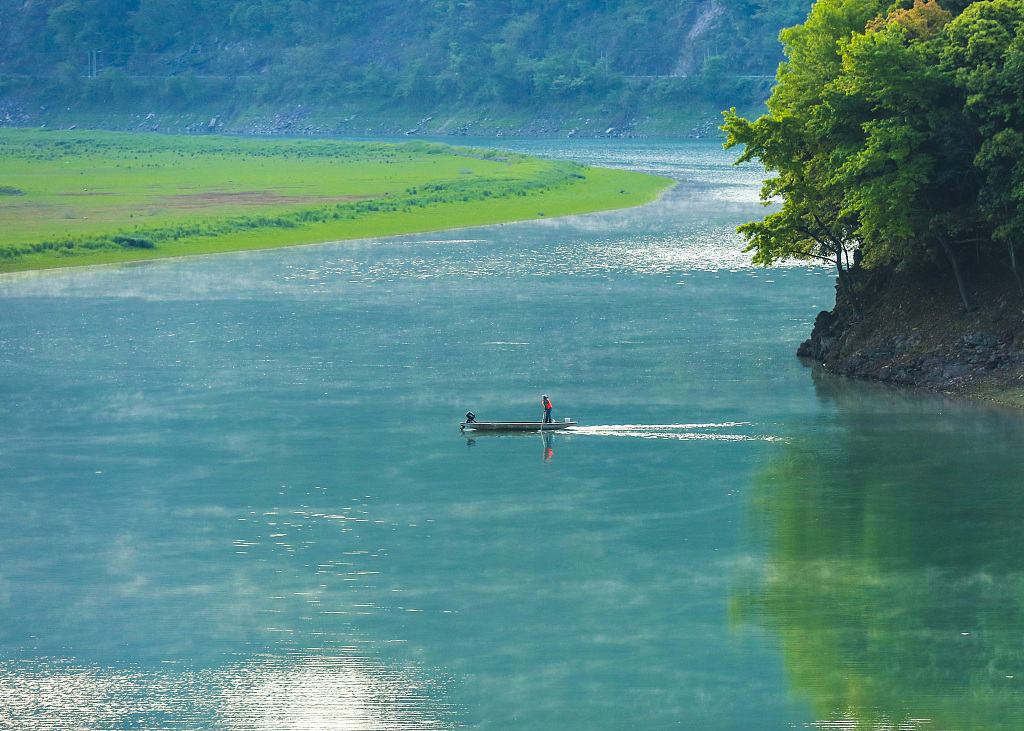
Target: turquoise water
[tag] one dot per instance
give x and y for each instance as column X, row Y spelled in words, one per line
column 234, row 494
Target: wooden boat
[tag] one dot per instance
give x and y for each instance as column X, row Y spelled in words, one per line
column 517, row 425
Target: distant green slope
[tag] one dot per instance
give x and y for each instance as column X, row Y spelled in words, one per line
column 626, row 57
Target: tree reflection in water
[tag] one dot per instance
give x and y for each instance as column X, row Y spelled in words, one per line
column 894, row 573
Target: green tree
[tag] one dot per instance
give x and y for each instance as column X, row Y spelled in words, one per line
column 802, row 140
column 911, row 183
column 875, row 143
column 81, row 26
column 986, row 54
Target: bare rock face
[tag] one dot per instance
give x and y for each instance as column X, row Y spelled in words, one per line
column 913, row 331
column 822, row 340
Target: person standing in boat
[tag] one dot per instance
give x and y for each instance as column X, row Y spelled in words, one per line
column 547, row 408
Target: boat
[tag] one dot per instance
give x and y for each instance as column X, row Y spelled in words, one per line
column 517, row 425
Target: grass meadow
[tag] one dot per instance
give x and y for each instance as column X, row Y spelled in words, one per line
column 87, row 197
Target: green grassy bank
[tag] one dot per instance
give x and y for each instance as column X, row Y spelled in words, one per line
column 69, row 198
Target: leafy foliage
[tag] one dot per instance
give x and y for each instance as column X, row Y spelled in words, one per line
column 894, row 136
column 530, row 52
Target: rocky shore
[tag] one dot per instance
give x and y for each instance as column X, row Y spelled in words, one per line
column 914, row 331
column 308, row 120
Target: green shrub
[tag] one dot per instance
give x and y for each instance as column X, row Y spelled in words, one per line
column 134, row 243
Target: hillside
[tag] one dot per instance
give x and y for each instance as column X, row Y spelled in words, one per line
column 433, row 66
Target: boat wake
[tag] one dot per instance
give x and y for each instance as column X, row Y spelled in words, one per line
column 724, row 432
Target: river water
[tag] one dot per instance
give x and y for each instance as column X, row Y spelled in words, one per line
column 234, row 494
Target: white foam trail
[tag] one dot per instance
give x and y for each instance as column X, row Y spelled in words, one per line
column 681, row 432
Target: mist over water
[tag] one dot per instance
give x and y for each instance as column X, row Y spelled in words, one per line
column 234, row 493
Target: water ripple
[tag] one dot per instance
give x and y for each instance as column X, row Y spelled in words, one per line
column 681, row 432
column 347, row 693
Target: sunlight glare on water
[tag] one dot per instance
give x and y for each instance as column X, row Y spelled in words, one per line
column 324, row 693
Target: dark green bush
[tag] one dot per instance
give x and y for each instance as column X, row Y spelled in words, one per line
column 134, row 243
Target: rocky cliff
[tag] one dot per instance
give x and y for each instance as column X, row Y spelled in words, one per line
column 914, row 331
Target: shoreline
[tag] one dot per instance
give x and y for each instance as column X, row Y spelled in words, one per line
column 353, row 122
column 152, row 196
column 141, row 257
column 914, row 333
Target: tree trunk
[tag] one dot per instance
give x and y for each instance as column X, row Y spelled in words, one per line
column 1013, row 265
column 951, row 255
column 846, row 285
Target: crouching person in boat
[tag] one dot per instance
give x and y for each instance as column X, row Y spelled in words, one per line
column 470, row 417
column 547, row 408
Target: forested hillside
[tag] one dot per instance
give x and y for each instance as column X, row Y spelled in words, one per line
column 422, row 55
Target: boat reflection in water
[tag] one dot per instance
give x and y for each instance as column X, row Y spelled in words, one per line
column 894, row 569
column 546, row 437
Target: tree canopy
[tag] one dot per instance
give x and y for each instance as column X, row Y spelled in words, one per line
column 531, row 52
column 895, row 136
